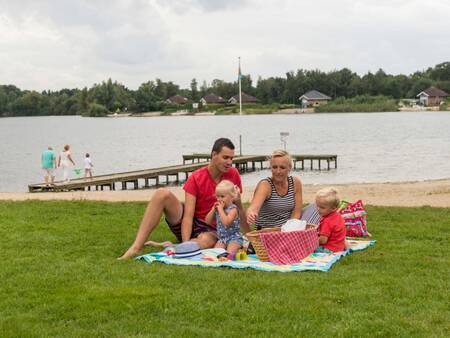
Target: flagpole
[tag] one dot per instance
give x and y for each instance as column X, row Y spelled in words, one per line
column 240, row 91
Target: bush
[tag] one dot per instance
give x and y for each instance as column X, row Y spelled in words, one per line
column 445, row 105
column 362, row 103
column 96, row 110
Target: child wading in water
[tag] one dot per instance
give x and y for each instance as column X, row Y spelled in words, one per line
column 332, row 226
column 88, row 166
column 226, row 215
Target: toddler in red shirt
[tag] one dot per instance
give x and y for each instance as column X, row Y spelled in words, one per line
column 332, row 226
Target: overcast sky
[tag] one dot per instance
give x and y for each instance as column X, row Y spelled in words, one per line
column 57, row 44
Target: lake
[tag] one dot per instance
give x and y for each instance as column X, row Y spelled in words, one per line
column 371, row 147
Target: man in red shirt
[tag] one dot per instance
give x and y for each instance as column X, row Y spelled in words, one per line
column 186, row 220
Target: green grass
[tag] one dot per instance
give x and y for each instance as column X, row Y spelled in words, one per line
column 59, row 277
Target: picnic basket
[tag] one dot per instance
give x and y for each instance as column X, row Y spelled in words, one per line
column 253, row 237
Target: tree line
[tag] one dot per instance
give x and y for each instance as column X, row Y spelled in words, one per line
column 110, row 96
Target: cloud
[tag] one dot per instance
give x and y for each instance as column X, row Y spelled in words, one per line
column 60, row 44
column 183, row 7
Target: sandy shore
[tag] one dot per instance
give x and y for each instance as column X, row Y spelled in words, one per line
column 434, row 193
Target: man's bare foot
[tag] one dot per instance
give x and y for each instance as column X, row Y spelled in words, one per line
column 163, row 244
column 131, row 252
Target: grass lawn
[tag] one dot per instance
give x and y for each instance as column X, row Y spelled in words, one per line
column 59, row 277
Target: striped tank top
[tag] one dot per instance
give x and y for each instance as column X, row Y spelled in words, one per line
column 276, row 210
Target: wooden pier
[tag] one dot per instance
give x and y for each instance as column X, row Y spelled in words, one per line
column 241, row 162
column 163, row 175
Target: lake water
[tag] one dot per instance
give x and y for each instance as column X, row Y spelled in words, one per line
column 371, row 147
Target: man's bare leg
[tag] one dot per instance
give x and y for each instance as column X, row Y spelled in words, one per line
column 162, row 201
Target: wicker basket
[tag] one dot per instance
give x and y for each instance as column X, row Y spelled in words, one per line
column 253, row 237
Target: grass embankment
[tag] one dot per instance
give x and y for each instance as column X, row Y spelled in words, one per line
column 359, row 104
column 60, row 277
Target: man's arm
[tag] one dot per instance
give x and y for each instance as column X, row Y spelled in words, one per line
column 188, row 216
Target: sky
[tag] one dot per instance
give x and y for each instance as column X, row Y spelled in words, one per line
column 55, row 44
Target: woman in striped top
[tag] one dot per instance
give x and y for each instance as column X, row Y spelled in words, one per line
column 277, row 198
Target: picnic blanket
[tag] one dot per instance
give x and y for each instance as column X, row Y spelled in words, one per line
column 313, row 262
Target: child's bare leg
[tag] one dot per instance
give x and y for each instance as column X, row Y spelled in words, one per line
column 220, row 245
column 233, row 247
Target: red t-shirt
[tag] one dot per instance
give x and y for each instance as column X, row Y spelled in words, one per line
column 201, row 185
column 333, row 226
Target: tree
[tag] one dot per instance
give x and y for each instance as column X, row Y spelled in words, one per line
column 146, row 98
column 194, row 90
column 440, row 72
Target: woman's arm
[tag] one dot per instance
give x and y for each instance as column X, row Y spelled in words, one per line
column 242, row 216
column 297, row 211
column 262, row 193
column 70, row 158
column 188, row 216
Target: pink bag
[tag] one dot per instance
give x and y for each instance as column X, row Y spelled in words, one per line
column 355, row 220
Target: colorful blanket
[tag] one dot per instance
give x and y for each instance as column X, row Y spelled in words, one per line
column 313, row 262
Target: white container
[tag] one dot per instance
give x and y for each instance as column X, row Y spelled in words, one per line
column 293, row 225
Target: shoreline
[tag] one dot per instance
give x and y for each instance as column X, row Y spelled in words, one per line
column 434, row 193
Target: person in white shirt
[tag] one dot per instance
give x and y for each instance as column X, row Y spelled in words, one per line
column 64, row 161
column 88, row 166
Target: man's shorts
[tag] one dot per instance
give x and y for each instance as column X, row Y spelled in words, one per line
column 198, row 226
column 49, row 171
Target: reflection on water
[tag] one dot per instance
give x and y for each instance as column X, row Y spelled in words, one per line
column 371, row 147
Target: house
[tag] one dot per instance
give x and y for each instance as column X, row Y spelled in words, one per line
column 177, row 99
column 313, row 98
column 432, row 96
column 212, row 99
column 245, row 99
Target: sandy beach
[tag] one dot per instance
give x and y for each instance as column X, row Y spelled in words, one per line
column 435, row 193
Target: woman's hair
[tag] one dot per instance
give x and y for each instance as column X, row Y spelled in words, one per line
column 280, row 153
column 87, row 155
column 329, row 196
column 66, row 147
column 228, row 187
